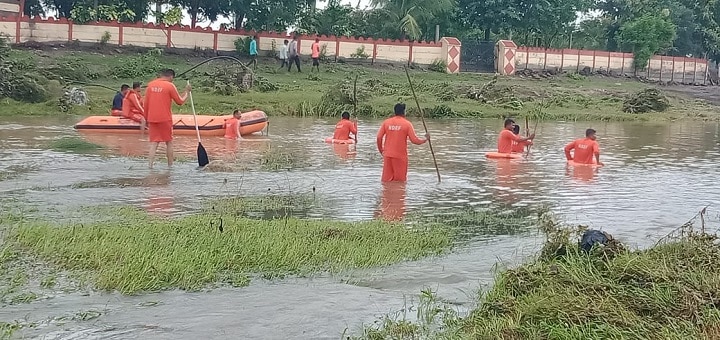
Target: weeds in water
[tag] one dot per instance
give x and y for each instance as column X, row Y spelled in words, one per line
column 74, row 144
column 432, row 319
column 670, row 291
column 144, row 253
column 273, row 159
column 266, row 206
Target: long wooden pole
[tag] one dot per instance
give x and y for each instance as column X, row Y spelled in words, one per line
column 412, row 89
column 534, row 130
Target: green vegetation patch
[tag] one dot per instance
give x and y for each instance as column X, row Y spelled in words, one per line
column 144, row 253
column 74, row 144
column 669, row 291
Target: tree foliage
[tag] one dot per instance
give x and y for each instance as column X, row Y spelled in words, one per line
column 645, row 36
column 588, row 24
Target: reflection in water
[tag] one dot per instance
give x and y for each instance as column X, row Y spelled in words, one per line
column 584, row 173
column 344, row 151
column 506, row 179
column 392, row 201
column 160, row 199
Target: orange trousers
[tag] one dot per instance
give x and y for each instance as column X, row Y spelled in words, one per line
column 394, row 169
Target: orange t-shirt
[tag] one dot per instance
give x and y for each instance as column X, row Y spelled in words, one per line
column 131, row 104
column 396, row 131
column 159, row 96
column 585, row 149
column 231, row 126
column 343, row 129
column 519, row 146
column 505, row 141
column 315, row 50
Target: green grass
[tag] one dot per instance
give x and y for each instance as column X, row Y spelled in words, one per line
column 669, row 291
column 137, row 252
column 379, row 88
column 74, row 144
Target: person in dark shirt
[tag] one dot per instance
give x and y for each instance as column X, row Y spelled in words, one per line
column 118, row 99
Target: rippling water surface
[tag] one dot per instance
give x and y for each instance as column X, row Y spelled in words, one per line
column 657, row 176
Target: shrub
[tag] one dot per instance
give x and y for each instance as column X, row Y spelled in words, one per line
column 438, row 66
column 360, row 53
column 138, row 66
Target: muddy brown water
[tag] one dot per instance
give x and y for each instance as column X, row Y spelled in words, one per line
column 657, row 176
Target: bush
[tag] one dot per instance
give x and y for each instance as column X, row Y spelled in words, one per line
column 139, row 66
column 242, row 46
column 438, row 66
column 27, row 89
column 645, row 101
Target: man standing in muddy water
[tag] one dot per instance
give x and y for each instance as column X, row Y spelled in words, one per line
column 159, row 96
column 395, row 131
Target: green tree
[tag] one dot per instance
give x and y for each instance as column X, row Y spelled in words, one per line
column 200, row 10
column 33, row 8
column 408, row 16
column 645, row 36
column 335, row 19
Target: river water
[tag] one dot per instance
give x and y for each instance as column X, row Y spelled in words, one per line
column 656, row 176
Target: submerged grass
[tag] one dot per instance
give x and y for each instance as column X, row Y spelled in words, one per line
column 669, row 291
column 74, row 144
column 143, row 253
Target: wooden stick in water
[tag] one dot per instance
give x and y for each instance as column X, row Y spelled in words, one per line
column 412, row 89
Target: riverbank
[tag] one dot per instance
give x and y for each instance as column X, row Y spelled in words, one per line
column 218, row 88
column 668, row 291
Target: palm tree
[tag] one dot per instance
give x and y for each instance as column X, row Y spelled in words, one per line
column 407, row 13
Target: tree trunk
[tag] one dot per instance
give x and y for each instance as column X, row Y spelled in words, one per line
column 193, row 18
column 239, row 17
column 487, row 34
column 158, row 12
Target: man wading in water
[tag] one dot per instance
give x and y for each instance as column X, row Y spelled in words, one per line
column 507, row 137
column 159, row 96
column 396, row 131
column 585, row 149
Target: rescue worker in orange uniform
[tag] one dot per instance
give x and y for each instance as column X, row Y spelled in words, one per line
column 232, row 126
column 507, row 137
column 585, row 149
column 519, row 147
column 395, row 131
column 118, row 100
column 132, row 106
column 159, row 96
column 344, row 127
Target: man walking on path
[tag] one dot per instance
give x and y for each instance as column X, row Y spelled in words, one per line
column 315, row 55
column 293, row 54
column 253, row 52
column 159, row 96
column 396, row 131
column 284, row 54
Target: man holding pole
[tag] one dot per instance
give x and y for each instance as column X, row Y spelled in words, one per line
column 159, row 96
column 392, row 144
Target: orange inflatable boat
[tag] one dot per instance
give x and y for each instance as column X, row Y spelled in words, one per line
column 502, row 155
column 250, row 122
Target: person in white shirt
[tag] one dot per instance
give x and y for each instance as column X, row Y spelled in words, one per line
column 283, row 54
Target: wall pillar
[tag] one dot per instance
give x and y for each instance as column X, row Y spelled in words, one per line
column 450, row 53
column 506, row 53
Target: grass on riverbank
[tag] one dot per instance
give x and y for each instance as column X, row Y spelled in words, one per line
column 379, row 87
column 138, row 252
column 670, row 291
